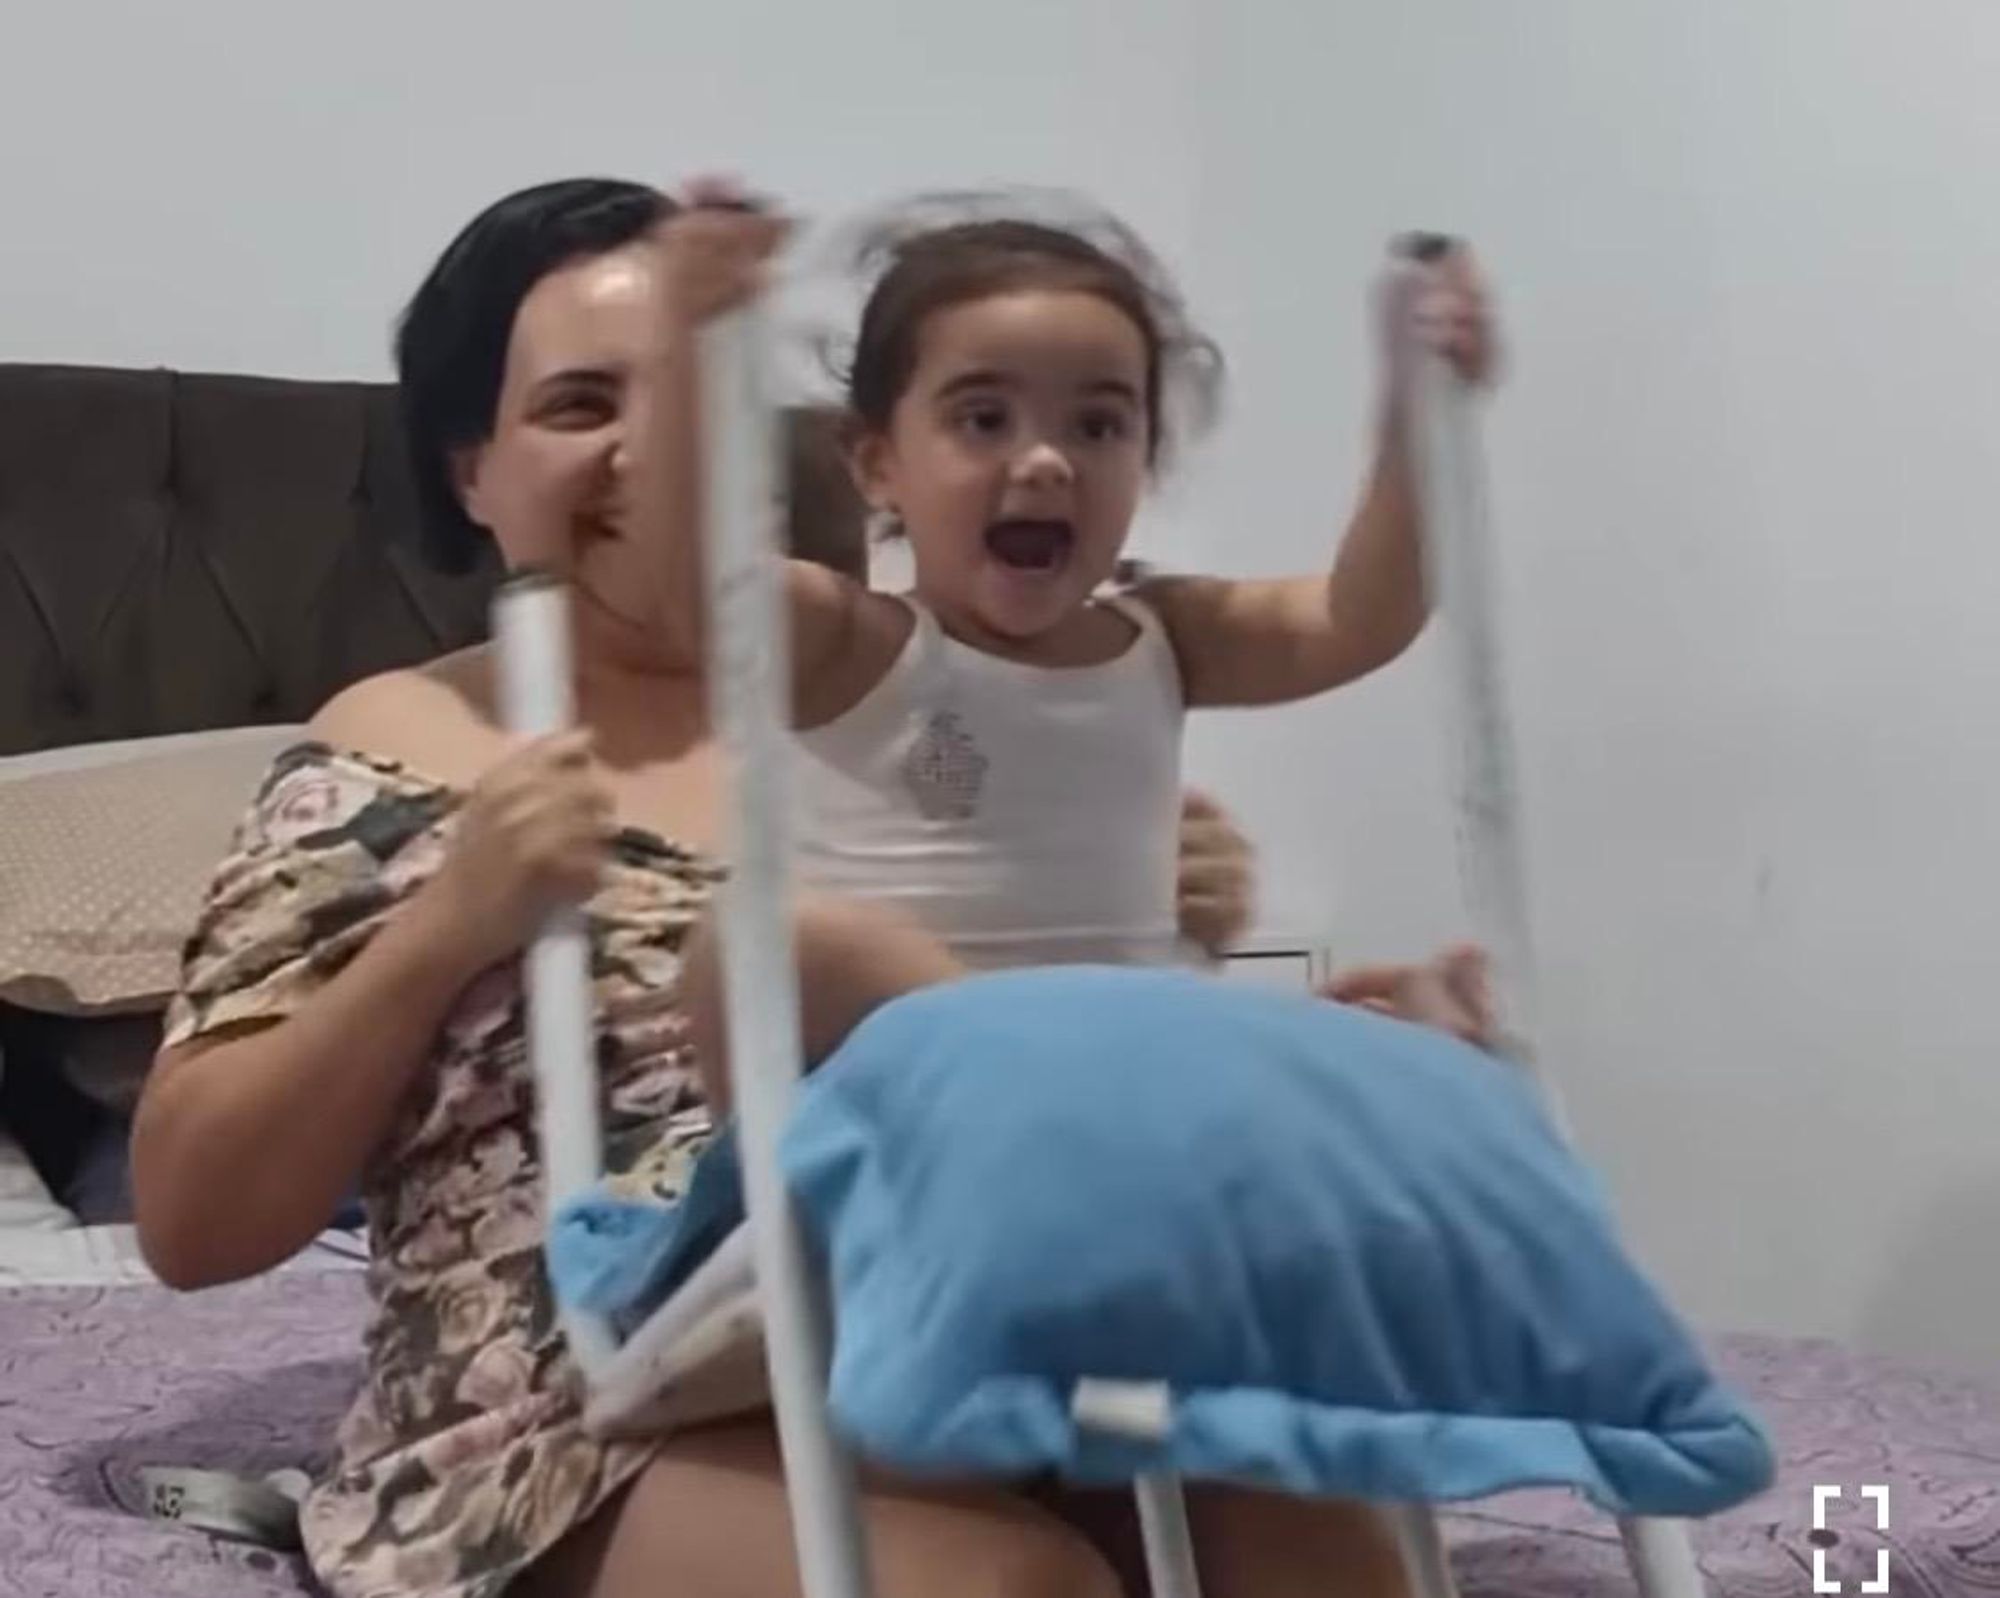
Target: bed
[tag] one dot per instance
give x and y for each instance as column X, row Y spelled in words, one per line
column 182, row 554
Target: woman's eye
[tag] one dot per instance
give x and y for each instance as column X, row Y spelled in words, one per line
column 577, row 411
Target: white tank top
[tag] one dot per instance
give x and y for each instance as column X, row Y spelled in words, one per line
column 1025, row 814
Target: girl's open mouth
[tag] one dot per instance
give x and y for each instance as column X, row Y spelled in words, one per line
column 1030, row 546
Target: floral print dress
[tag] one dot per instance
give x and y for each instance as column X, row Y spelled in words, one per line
column 463, row 1457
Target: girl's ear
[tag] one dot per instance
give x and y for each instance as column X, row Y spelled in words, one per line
column 870, row 463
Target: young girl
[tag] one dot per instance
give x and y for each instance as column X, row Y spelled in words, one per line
column 991, row 762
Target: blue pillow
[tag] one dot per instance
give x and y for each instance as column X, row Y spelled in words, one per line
column 1354, row 1252
column 622, row 1258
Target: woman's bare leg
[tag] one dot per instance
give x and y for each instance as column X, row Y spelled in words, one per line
column 1252, row 1544
column 853, row 958
column 708, row 1519
column 1268, row 1545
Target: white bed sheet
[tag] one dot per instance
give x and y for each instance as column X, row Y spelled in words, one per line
column 108, row 1256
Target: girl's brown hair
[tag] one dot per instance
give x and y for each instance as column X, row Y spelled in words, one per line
column 924, row 269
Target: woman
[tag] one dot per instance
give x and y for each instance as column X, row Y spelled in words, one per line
column 351, row 1006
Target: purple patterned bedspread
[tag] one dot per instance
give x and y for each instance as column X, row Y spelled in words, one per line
column 1838, row 1418
column 97, row 1382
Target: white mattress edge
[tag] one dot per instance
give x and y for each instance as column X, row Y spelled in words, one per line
column 108, row 1256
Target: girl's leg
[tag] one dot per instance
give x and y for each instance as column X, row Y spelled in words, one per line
column 853, row 957
column 708, row 1519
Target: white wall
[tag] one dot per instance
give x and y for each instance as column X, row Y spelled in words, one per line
column 1746, row 475
column 1748, row 257
column 236, row 184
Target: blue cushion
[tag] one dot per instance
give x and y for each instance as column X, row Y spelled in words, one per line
column 1354, row 1250
column 621, row 1258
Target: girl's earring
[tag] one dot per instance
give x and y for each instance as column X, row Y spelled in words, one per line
column 884, row 526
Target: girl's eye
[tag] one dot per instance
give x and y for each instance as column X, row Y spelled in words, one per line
column 1104, row 427
column 987, row 420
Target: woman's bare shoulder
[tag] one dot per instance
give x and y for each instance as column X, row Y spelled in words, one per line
column 435, row 718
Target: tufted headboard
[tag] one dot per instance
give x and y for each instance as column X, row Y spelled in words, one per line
column 181, row 551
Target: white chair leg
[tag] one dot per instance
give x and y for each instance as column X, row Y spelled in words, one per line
column 1163, row 1524
column 749, row 676
column 1425, row 1558
column 1451, row 493
column 1661, row 1555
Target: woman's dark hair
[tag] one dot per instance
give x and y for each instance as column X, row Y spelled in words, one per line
column 451, row 341
column 929, row 269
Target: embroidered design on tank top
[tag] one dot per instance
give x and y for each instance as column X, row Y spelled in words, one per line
column 944, row 770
